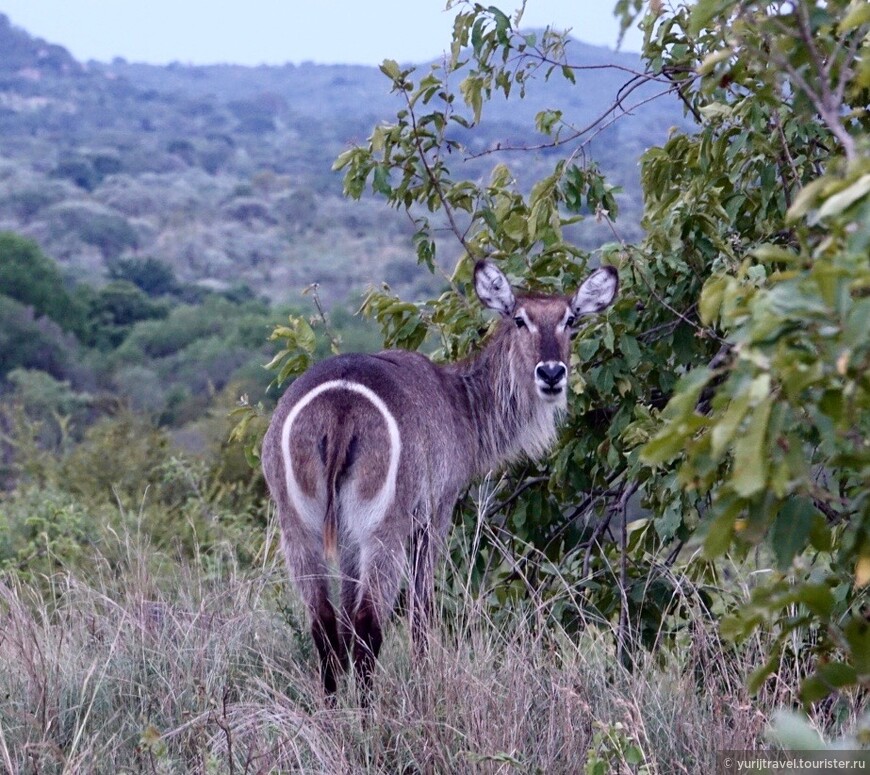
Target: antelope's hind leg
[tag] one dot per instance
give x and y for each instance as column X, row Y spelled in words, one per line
column 427, row 543
column 423, row 556
column 381, row 566
column 350, row 586
column 324, row 631
column 310, row 573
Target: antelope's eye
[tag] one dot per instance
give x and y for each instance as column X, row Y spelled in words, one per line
column 569, row 323
column 520, row 322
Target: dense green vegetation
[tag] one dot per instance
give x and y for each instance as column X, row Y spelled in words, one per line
column 691, row 561
column 726, row 393
column 175, row 356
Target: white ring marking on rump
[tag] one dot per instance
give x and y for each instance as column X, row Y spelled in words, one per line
column 310, row 510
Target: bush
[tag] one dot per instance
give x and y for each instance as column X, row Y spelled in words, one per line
column 78, row 170
column 29, row 342
column 33, row 279
column 150, row 275
column 727, row 387
column 118, row 458
column 44, row 530
column 94, row 225
column 28, row 203
column 114, row 309
column 60, row 411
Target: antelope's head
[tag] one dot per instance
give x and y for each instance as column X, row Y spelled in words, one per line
column 539, row 327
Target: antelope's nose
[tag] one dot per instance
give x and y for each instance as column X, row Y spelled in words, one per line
column 551, row 372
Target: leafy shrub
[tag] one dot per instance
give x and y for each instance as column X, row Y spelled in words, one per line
column 114, row 309
column 33, row 279
column 150, row 275
column 43, row 530
column 727, row 387
column 249, row 209
column 118, row 458
column 26, row 204
column 60, row 411
column 106, row 230
column 238, row 326
column 31, row 342
column 78, row 170
column 141, row 389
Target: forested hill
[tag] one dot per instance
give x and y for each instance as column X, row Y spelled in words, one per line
column 224, row 172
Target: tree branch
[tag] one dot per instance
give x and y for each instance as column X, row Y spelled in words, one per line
column 435, row 181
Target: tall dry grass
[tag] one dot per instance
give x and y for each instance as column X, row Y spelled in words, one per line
column 159, row 666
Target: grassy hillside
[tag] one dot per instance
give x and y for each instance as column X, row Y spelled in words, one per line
column 224, row 172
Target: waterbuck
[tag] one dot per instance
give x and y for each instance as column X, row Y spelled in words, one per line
column 368, row 453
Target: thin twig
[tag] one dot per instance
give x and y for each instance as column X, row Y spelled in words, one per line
column 225, row 728
column 435, row 181
column 622, row 633
column 601, row 122
column 786, row 189
column 827, row 103
column 674, row 553
column 334, row 339
column 525, row 485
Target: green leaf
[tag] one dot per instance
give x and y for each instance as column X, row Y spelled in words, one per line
column 758, row 676
column 668, row 523
column 842, row 199
column 702, row 14
column 791, row 530
column 663, row 447
column 390, row 68
column 813, row 689
column 381, row 180
column 716, row 110
column 858, row 15
column 305, row 337
column 749, row 475
column 857, row 634
column 719, row 534
column 817, row 597
column 515, row 227
column 725, row 428
column 630, row 350
column 472, row 92
column 820, row 534
column 828, row 678
column 732, row 628
column 545, row 120
column 793, row 731
column 607, row 337
column 502, row 23
column 773, row 254
column 686, row 393
column 837, row 674
column 805, row 199
column 711, row 298
column 713, row 59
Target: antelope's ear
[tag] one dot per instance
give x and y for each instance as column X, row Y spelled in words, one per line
column 597, row 291
column 493, row 288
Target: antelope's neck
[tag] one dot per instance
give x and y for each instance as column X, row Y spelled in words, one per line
column 506, row 419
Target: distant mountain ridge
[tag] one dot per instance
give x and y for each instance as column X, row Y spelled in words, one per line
column 224, row 171
column 21, row 51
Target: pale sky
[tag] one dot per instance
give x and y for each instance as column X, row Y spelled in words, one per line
column 255, row 32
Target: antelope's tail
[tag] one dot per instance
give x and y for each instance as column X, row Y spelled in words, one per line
column 340, row 453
